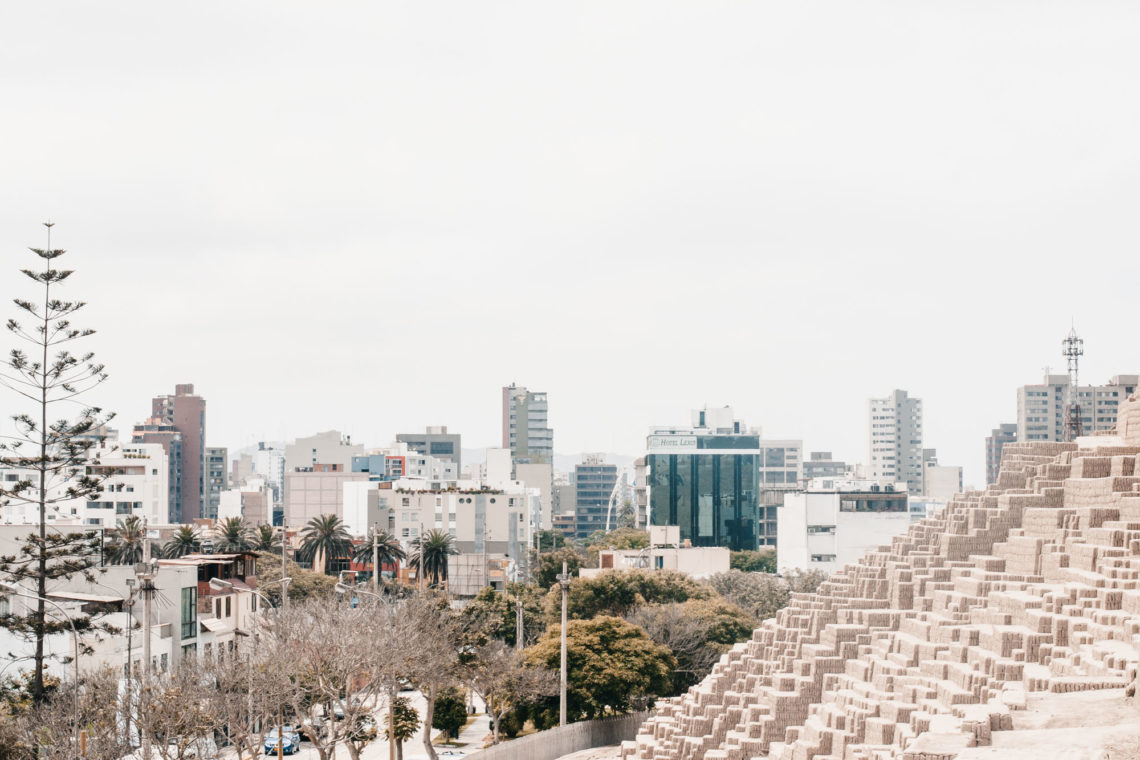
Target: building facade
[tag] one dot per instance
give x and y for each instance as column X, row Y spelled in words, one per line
column 526, row 425
column 329, row 447
column 894, row 440
column 1041, row 408
column 217, row 479
column 995, row 441
column 720, row 482
column 183, row 413
column 436, row 442
column 594, row 482
column 156, row 431
column 837, row 521
column 821, row 464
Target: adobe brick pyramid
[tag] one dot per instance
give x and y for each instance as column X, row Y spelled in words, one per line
column 930, row 646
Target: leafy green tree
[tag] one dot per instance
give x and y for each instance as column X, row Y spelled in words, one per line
column 627, row 515
column 304, row 584
column 266, row 539
column 753, row 561
column 548, row 566
column 698, row 632
column 232, row 534
column 616, row 592
column 549, row 540
column 432, row 551
column 612, row 666
column 49, row 452
column 450, row 712
column 407, row 722
column 184, row 541
column 128, row 538
column 496, row 614
column 621, row 538
column 390, row 551
column 325, row 543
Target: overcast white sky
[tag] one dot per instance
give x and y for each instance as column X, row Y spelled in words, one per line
column 372, row 215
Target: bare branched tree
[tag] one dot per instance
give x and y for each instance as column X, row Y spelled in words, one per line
column 501, row 678
column 45, row 729
column 334, row 678
column 179, row 717
column 49, row 448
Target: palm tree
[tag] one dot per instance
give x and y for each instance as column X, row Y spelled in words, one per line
column 389, row 550
column 127, row 540
column 434, row 548
column 265, row 539
column 184, row 541
column 324, row 542
column 232, row 534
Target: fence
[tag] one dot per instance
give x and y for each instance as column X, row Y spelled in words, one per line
column 574, row 737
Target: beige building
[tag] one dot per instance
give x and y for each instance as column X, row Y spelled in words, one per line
column 314, row 493
column 1041, row 407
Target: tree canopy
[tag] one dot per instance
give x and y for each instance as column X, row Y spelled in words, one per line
column 753, row 561
column 616, row 592
column 612, row 665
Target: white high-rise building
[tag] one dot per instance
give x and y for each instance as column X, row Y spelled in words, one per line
column 895, row 440
column 1041, row 408
column 134, row 480
column 526, row 425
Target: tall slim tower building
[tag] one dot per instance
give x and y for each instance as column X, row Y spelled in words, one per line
column 526, row 426
column 186, row 413
column 894, row 440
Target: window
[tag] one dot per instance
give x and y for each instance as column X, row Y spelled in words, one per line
column 819, row 529
column 823, row 558
column 189, row 612
column 228, row 608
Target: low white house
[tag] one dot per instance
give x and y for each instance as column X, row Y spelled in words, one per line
column 836, row 521
column 664, row 552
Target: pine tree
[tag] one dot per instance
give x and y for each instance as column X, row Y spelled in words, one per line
column 50, row 451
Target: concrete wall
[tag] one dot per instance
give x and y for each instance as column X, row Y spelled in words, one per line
column 575, row 737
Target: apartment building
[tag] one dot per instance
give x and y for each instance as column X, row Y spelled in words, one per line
column 894, row 440
column 526, row 426
column 1041, row 407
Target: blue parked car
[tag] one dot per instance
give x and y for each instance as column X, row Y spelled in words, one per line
column 290, row 744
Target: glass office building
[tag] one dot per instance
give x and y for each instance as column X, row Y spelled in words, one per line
column 719, row 483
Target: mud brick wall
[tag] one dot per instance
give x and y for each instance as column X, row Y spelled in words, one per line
column 925, row 646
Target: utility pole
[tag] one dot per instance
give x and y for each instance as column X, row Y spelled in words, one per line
column 130, row 665
column 518, row 620
column 420, row 569
column 284, row 586
column 375, row 561
column 564, row 582
column 145, row 572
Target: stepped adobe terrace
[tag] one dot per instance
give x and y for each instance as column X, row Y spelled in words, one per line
column 1024, row 594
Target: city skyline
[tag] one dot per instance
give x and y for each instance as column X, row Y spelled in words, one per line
column 751, row 206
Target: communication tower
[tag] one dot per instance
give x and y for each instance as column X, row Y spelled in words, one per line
column 1073, row 348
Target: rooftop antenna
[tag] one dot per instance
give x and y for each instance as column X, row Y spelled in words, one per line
column 1073, row 348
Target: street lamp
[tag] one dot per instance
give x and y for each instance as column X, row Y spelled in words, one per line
column 341, row 588
column 17, row 590
column 564, row 583
column 221, row 585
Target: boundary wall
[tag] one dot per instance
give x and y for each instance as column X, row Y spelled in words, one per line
column 564, row 740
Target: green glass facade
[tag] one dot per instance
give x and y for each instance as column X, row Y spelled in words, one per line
column 713, row 497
